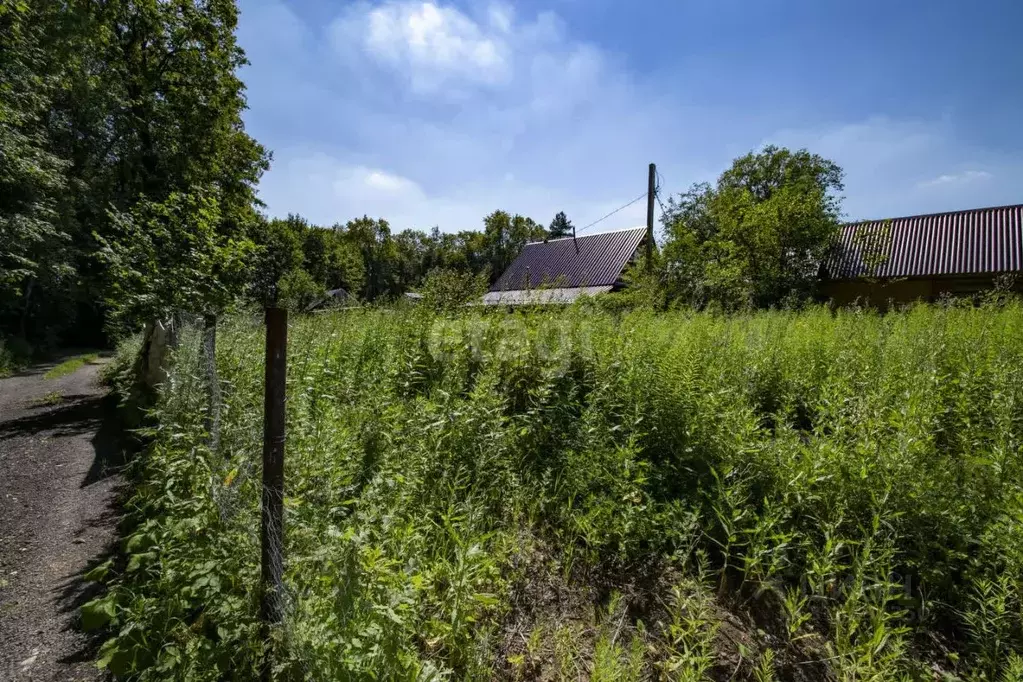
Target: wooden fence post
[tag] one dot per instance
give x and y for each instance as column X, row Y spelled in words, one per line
column 272, row 531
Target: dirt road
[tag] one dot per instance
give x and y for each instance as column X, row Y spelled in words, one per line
column 58, row 455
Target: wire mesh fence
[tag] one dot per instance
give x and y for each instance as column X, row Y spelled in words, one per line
column 245, row 459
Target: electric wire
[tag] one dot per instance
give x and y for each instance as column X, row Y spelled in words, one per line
column 598, row 220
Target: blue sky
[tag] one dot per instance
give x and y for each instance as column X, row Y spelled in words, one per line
column 437, row 113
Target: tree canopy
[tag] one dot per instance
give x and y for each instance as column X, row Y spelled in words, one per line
column 758, row 236
column 561, row 226
column 123, row 144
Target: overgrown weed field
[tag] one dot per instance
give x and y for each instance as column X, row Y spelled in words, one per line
column 574, row 495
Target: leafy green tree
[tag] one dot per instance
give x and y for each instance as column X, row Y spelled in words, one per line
column 331, row 261
column 278, row 274
column 34, row 248
column 465, row 251
column 155, row 89
column 504, row 236
column 410, row 249
column 149, row 108
column 447, row 289
column 561, row 226
column 169, row 256
column 758, row 236
column 372, row 239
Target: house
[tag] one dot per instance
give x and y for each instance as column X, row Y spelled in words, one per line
column 333, row 298
column 562, row 270
column 925, row 257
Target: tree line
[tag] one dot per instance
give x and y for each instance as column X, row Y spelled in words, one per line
column 298, row 261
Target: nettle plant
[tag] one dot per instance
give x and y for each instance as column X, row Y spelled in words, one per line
column 571, row 493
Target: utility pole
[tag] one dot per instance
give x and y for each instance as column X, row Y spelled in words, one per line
column 651, row 187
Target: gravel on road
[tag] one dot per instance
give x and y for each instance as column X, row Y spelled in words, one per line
column 59, row 459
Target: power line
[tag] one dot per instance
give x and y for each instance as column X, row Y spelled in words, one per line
column 657, row 192
column 641, row 196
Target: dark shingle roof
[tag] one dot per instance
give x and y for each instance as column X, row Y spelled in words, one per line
column 975, row 242
column 599, row 261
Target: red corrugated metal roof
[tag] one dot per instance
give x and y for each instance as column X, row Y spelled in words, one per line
column 599, row 261
column 976, row 242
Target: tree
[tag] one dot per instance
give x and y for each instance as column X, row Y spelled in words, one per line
column 34, row 247
column 447, row 289
column 561, row 226
column 164, row 257
column 410, row 250
column 504, row 236
column 757, row 237
column 331, row 261
column 372, row 240
column 279, row 278
column 149, row 108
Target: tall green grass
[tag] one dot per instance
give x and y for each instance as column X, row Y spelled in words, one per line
column 571, row 495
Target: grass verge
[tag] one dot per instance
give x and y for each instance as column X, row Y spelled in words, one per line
column 71, row 365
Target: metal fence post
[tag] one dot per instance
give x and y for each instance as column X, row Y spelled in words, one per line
column 209, row 351
column 272, row 531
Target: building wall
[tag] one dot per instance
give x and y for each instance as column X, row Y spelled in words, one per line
column 882, row 294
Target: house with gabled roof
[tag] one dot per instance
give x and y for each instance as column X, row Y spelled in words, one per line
column 925, row 257
column 559, row 271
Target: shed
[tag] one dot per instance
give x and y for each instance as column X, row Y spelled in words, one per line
column 333, row 298
column 925, row 257
column 559, row 271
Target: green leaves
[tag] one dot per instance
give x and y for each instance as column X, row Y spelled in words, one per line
column 121, row 121
column 34, row 240
column 171, row 256
column 98, row 613
column 100, row 572
column 756, row 238
column 449, row 289
column 561, row 226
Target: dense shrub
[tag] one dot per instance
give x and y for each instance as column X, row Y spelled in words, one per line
column 6, row 359
column 14, row 354
column 572, row 494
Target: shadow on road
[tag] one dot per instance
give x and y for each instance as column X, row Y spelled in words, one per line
column 76, row 415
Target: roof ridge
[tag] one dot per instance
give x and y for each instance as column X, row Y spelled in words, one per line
column 591, row 234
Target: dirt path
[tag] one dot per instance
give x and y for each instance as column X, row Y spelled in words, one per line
column 57, row 519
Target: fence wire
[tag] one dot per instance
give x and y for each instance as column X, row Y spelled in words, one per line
column 235, row 465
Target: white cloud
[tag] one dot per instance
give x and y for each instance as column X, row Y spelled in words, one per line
column 431, row 44
column 956, row 178
column 459, row 114
column 890, row 166
column 519, row 67
column 327, row 190
column 501, row 17
column 386, row 182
